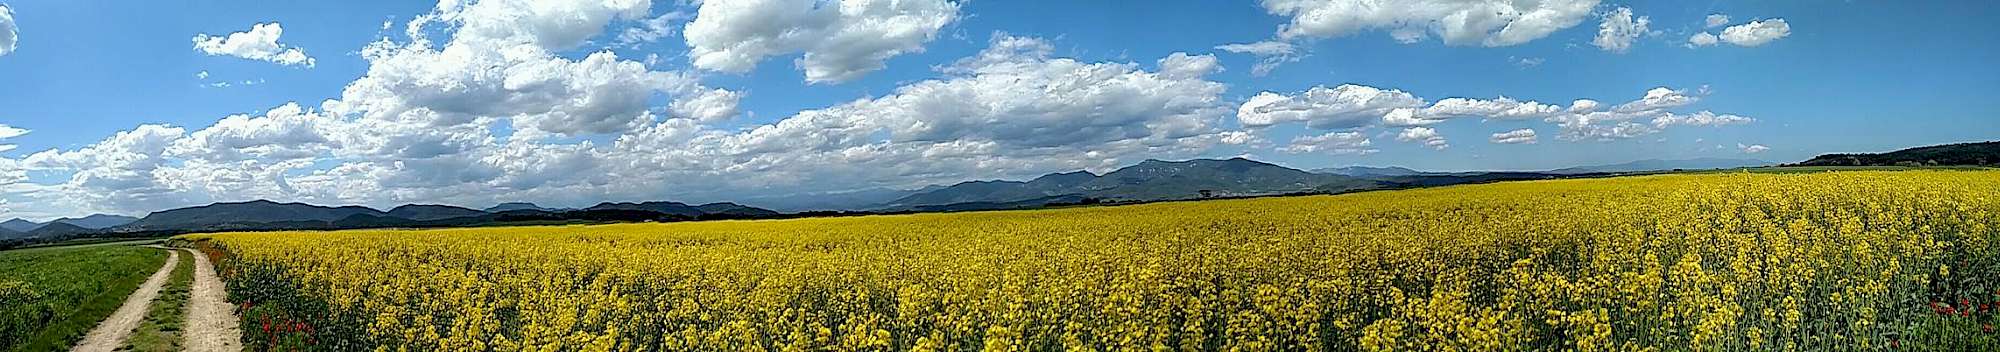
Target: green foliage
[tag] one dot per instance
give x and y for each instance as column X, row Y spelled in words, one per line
column 50, row 297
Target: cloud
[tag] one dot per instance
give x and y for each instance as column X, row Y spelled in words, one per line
column 502, row 65
column 1356, row 107
column 1526, row 62
column 1240, row 138
column 841, row 40
column 1701, row 39
column 431, row 123
column 1429, row 137
column 259, row 43
column 1618, row 29
column 1584, row 121
column 1335, row 143
column 1182, row 65
column 11, row 131
column 1344, row 106
column 7, row 132
column 1263, row 48
column 1270, row 54
column 9, row 35
column 1752, row 149
column 1715, row 20
column 650, row 30
column 1756, row 33
column 1520, row 136
column 1701, row 118
column 117, row 172
column 1502, row 108
column 1491, row 23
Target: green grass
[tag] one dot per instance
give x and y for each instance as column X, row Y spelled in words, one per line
column 89, row 242
column 51, row 297
column 161, row 331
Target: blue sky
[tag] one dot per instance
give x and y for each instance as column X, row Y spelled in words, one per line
column 911, row 106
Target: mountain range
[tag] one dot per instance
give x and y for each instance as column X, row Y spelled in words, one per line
column 1146, row 181
column 1150, row 180
column 19, row 228
column 268, row 215
column 1665, row 165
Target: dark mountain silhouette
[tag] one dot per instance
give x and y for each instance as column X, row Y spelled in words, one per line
column 244, row 215
column 19, row 225
column 669, row 208
column 726, row 209
column 1150, row 180
column 98, row 221
column 6, row 234
column 425, row 212
column 55, row 230
column 1665, row 165
column 1961, row 154
column 1370, row 171
column 516, row 206
column 861, row 199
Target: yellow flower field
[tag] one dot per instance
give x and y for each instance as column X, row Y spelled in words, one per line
column 1841, row 260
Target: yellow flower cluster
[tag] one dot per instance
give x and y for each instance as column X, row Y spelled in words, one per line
column 1680, row 262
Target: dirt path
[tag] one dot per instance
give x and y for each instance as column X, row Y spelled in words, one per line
column 211, row 321
column 112, row 332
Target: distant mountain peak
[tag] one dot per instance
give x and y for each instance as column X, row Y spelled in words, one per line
column 511, row 206
column 1369, row 171
column 1149, row 180
column 97, row 221
column 20, row 225
column 426, row 212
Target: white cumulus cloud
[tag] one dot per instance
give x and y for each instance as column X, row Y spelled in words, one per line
column 11, row 131
column 1618, row 29
column 1756, row 33
column 1344, row 106
column 1335, row 143
column 1520, row 136
column 1357, row 107
column 1426, row 135
column 1701, row 39
column 9, row 35
column 259, row 43
column 1490, row 23
column 1752, row 149
column 425, row 125
column 7, row 132
column 1270, row 54
column 841, row 39
column 1715, row 20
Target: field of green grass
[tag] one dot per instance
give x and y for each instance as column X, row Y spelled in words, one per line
column 50, row 297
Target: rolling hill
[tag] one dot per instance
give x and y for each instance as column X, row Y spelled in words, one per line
column 502, row 207
column 1150, row 180
column 426, row 212
column 1664, row 165
column 243, row 214
column 97, row 221
column 1369, row 171
column 1961, row 154
column 19, row 225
